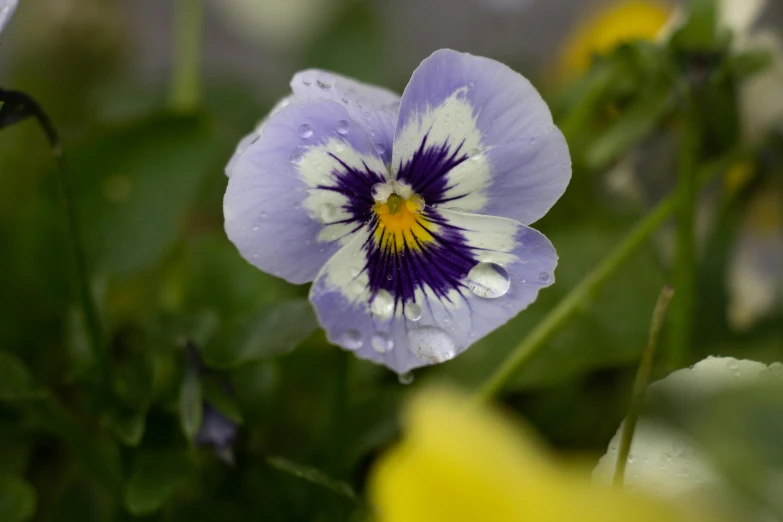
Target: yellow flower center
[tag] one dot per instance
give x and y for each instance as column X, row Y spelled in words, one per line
column 400, row 221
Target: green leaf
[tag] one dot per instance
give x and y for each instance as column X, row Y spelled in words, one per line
column 134, row 185
column 637, row 121
column 156, row 477
column 218, row 396
column 191, row 409
column 16, row 383
column 314, row 476
column 129, row 427
column 274, row 331
column 18, row 499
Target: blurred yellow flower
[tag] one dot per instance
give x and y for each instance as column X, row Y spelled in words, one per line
column 460, row 461
column 606, row 28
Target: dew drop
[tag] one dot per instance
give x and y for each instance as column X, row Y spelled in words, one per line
column 342, row 127
column 381, row 342
column 471, row 85
column 349, row 96
column 263, row 214
column 382, row 305
column 381, row 148
column 532, row 141
column 412, row 312
column 432, row 344
column 305, row 131
column 543, row 278
column 325, row 81
column 328, row 213
column 351, row 339
column 405, row 378
column 255, row 229
column 488, row 280
column 296, row 157
column 307, row 81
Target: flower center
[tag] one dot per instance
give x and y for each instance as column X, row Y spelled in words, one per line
column 400, row 220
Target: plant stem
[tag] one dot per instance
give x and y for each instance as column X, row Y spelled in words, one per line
column 584, row 291
column 572, row 302
column 641, row 382
column 185, row 79
column 76, row 243
column 684, row 274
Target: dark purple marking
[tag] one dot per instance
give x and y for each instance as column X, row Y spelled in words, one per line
column 441, row 264
column 426, row 171
column 356, row 185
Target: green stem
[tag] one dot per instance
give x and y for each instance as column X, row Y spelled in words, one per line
column 585, row 290
column 684, row 274
column 185, row 79
column 641, row 382
column 89, row 308
column 87, row 302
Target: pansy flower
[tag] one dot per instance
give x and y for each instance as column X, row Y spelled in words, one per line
column 7, row 8
column 410, row 215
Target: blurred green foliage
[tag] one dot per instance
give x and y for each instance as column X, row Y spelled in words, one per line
column 87, row 439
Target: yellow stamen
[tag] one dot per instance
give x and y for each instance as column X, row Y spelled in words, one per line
column 401, row 223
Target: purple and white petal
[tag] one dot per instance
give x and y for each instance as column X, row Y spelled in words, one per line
column 253, row 136
column 425, row 305
column 7, row 8
column 298, row 193
column 473, row 135
column 373, row 108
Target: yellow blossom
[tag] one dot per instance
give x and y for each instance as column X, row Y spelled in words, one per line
column 605, row 29
column 462, row 462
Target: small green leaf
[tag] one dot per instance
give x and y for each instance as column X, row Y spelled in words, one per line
column 18, row 499
column 191, row 408
column 129, row 428
column 314, row 476
column 218, row 396
column 272, row 332
column 16, row 383
column 155, row 478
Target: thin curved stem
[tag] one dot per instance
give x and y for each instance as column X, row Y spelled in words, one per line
column 185, row 80
column 641, row 382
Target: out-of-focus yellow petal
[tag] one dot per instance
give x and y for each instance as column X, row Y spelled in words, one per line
column 461, row 462
column 605, row 29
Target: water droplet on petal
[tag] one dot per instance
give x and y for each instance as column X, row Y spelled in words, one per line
column 382, row 305
column 532, row 141
column 471, row 85
column 305, row 131
column 328, row 213
column 432, row 344
column 351, row 339
column 342, row 127
column 255, row 229
column 381, row 342
column 307, row 81
column 413, row 312
column 263, row 214
column 475, row 154
column 296, row 157
column 488, row 280
column 381, row 148
column 543, row 278
column 349, row 96
column 325, row 81
column 405, row 378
